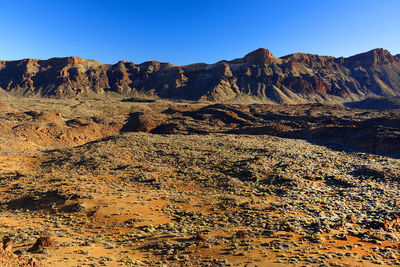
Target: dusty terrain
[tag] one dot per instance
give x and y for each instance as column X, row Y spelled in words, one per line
column 131, row 182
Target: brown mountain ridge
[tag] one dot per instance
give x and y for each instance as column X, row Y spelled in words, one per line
column 295, row 78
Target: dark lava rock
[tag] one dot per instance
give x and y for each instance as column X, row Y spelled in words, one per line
column 76, row 207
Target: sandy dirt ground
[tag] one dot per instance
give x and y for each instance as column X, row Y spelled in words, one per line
column 114, row 188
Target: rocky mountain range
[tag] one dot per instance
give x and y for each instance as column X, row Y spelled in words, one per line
column 295, row 78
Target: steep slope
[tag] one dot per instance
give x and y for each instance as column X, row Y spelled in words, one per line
column 295, row 78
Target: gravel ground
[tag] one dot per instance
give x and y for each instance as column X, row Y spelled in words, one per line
column 223, row 199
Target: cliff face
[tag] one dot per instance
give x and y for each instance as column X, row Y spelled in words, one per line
column 296, row 78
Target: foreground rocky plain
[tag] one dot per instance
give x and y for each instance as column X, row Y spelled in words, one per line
column 131, row 182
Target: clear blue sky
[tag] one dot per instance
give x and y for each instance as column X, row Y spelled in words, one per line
column 187, row 31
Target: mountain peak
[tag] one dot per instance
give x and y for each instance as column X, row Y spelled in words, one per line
column 260, row 56
column 375, row 57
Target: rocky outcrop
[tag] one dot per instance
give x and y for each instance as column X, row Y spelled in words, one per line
column 43, row 242
column 260, row 56
column 295, row 78
column 8, row 258
column 371, row 58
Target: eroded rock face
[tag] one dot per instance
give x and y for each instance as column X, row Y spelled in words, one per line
column 372, row 58
column 8, row 258
column 260, row 56
column 295, row 78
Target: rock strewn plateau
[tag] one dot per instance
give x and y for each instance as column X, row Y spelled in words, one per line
column 138, row 182
column 296, row 78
